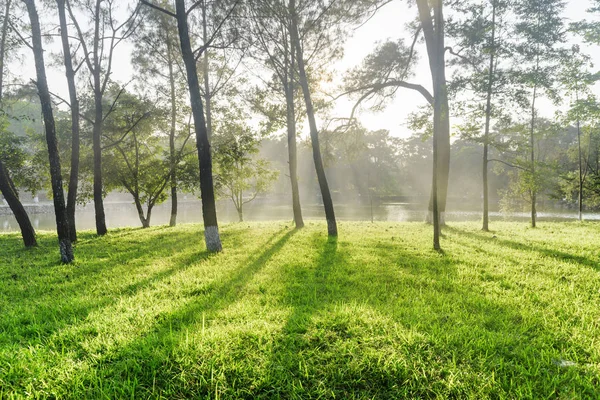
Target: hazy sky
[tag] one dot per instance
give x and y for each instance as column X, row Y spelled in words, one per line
column 388, row 23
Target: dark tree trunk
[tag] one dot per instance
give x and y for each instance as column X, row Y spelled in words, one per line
column 206, row 77
column 314, row 133
column 97, row 132
column 27, row 231
column 66, row 250
column 70, row 73
column 7, row 186
column 488, row 117
column 291, row 138
column 209, row 211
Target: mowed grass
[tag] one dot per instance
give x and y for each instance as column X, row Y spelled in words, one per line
column 292, row 314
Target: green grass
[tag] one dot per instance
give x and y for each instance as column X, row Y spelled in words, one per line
column 292, row 314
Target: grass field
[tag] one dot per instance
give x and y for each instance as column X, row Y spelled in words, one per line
column 292, row 314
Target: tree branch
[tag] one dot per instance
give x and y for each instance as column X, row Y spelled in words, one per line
column 149, row 4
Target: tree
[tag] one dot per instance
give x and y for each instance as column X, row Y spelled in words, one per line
column 134, row 157
column 314, row 133
column 240, row 175
column 576, row 79
column 539, row 29
column 432, row 23
column 524, row 181
column 66, row 250
column 209, row 212
column 389, row 67
column 74, row 105
column 98, row 48
column 479, row 31
column 8, row 149
column 156, row 56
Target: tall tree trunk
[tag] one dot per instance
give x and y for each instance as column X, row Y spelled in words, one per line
column 580, row 195
column 209, row 211
column 97, row 132
column 488, row 117
column 532, row 160
column 172, row 153
column 314, row 133
column 206, row 77
column 70, row 73
column 6, row 185
column 434, row 40
column 66, row 250
column 289, row 87
column 580, row 171
column 27, row 231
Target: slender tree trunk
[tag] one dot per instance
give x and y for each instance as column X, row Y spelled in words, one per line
column 314, row 133
column 532, row 160
column 70, row 73
column 291, row 138
column 27, row 231
column 580, row 195
column 206, row 77
column 580, row 171
column 66, row 250
column 172, row 153
column 97, row 132
column 209, row 211
column 488, row 117
column 6, row 185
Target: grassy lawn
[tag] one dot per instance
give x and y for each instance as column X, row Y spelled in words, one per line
column 292, row 314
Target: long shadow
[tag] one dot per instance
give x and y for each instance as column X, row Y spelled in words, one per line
column 546, row 251
column 53, row 296
column 420, row 326
column 318, row 352
column 156, row 344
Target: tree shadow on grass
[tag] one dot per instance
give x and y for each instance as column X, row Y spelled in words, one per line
column 361, row 320
column 545, row 251
column 405, row 329
column 144, row 356
column 52, row 296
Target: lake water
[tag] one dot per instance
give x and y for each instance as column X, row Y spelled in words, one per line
column 123, row 214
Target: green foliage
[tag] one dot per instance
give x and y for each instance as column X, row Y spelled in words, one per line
column 291, row 314
column 523, row 182
column 239, row 173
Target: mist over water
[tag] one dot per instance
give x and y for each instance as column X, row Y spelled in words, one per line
column 124, row 214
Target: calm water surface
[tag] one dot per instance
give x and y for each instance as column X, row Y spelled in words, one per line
column 125, row 215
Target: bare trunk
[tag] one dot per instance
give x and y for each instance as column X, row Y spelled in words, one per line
column 532, row 159
column 70, row 73
column 66, row 250
column 209, row 212
column 206, row 77
column 488, row 117
column 434, row 39
column 580, row 195
column 172, row 153
column 27, row 231
column 291, row 138
column 97, row 132
column 314, row 133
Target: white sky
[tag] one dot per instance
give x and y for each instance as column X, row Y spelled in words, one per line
column 389, row 22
